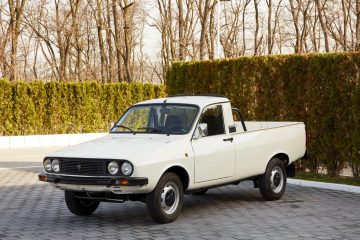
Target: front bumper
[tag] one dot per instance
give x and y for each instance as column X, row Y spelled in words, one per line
column 117, row 185
column 87, row 180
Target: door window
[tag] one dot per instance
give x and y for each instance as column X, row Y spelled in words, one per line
column 213, row 117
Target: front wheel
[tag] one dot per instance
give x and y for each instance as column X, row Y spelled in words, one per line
column 165, row 202
column 79, row 206
column 272, row 183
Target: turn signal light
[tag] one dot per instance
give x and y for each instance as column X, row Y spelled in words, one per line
column 42, row 178
column 123, row 182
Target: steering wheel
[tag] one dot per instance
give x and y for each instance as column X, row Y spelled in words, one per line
column 176, row 128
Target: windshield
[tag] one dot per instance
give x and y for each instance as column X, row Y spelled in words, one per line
column 157, row 118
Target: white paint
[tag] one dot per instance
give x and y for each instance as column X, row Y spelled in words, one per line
column 17, row 142
column 21, row 156
column 47, row 140
column 323, row 185
column 31, row 141
column 201, row 101
column 62, row 139
column 153, row 154
column 4, row 142
column 207, row 164
column 76, row 139
column 34, row 141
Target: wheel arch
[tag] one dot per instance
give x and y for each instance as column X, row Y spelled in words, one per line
column 282, row 156
column 181, row 173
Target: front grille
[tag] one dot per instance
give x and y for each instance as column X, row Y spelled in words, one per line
column 89, row 167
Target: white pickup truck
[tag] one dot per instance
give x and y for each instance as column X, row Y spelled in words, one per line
column 164, row 148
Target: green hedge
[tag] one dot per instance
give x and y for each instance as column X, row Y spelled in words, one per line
column 323, row 90
column 48, row 108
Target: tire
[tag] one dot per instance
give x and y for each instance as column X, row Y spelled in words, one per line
column 272, row 183
column 165, row 202
column 78, row 206
column 202, row 192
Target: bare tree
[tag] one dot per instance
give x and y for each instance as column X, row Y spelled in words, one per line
column 257, row 28
column 206, row 14
column 230, row 30
column 247, row 2
column 181, row 22
column 97, row 13
column 111, row 62
column 269, row 22
column 295, row 11
column 16, row 9
column 357, row 12
column 320, row 8
column 177, row 24
column 117, row 40
column 105, row 40
column 128, row 16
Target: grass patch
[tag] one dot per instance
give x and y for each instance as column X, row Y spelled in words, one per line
column 324, row 178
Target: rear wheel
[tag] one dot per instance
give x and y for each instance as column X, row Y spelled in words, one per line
column 272, row 183
column 165, row 202
column 81, row 207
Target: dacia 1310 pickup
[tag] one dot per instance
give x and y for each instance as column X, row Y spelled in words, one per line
column 164, row 148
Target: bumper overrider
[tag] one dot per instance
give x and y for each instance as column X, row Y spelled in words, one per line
column 117, row 185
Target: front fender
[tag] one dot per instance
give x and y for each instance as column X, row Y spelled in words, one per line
column 156, row 170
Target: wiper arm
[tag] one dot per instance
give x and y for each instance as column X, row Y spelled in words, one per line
column 154, row 130
column 123, row 126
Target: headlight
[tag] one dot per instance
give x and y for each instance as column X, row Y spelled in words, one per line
column 113, row 168
column 55, row 165
column 126, row 169
column 47, row 165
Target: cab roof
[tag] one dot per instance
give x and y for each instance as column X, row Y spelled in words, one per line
column 200, row 100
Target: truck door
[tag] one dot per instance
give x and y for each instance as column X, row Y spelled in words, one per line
column 215, row 152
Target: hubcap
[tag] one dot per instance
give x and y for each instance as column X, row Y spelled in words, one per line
column 277, row 179
column 169, row 198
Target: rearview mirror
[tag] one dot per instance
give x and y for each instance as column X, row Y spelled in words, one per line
column 201, row 131
column 165, row 110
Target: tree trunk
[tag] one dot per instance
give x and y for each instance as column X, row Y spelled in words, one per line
column 181, row 30
column 257, row 26
column 244, row 27
column 109, row 43
column 210, row 37
column 75, row 29
column 127, row 54
column 60, row 42
column 204, row 15
column 269, row 28
column 117, row 40
column 295, row 15
column 357, row 25
column 323, row 25
column 16, row 10
column 100, row 39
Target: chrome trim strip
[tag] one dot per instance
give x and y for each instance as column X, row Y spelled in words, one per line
column 68, row 175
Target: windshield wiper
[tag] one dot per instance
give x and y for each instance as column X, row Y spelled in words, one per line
column 153, row 130
column 127, row 128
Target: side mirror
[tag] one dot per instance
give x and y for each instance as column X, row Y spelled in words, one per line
column 201, row 131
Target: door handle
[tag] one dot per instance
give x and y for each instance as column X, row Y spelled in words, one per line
column 228, row 139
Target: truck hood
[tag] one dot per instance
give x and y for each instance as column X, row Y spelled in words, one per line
column 135, row 148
